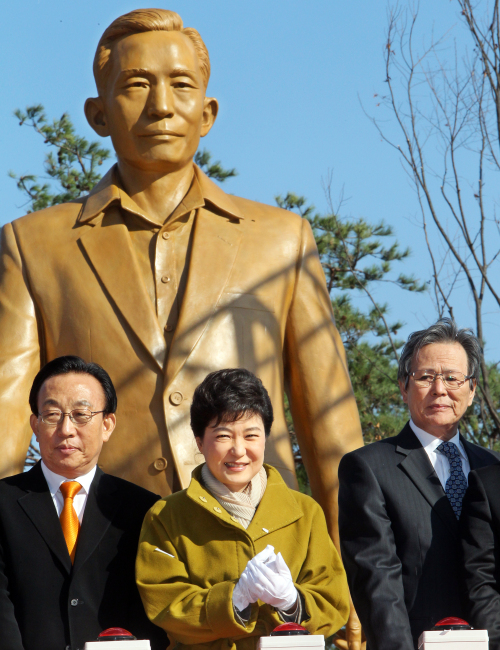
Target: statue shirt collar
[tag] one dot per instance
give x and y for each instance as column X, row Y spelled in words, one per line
column 109, row 191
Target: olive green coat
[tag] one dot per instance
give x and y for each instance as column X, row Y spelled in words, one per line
column 187, row 589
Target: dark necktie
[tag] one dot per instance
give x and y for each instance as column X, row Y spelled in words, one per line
column 456, row 485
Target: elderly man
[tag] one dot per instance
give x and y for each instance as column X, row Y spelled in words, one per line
column 69, row 532
column 400, row 498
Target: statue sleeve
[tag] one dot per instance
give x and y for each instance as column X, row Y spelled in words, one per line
column 19, row 354
column 324, row 411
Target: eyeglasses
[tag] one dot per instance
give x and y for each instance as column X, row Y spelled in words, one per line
column 451, row 379
column 77, row 416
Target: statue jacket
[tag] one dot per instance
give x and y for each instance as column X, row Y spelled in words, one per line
column 255, row 297
column 192, row 552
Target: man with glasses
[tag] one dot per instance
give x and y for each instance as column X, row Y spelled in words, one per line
column 69, row 532
column 400, row 498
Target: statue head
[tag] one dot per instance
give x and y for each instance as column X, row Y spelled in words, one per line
column 151, row 75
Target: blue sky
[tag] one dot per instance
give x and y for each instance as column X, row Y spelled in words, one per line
column 290, row 76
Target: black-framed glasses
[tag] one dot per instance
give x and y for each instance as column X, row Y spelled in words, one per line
column 450, row 378
column 77, row 416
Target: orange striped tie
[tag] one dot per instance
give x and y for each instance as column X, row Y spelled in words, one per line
column 68, row 517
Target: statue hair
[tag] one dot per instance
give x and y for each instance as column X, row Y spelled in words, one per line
column 444, row 331
column 145, row 20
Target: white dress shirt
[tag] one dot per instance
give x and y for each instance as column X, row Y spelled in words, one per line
column 438, row 460
column 54, row 482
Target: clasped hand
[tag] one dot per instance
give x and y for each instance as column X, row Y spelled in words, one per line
column 268, row 578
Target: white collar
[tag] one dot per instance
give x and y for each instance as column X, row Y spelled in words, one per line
column 54, row 480
column 431, row 443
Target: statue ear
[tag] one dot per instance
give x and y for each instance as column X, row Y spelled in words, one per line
column 210, row 110
column 96, row 117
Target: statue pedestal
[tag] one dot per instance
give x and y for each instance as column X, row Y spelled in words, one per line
column 454, row 640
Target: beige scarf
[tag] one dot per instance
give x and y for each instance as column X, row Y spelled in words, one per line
column 242, row 505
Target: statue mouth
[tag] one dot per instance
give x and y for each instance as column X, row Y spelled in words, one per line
column 160, row 133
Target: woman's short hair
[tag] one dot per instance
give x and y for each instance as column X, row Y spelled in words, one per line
column 74, row 364
column 227, row 396
column 145, row 20
column 444, row 331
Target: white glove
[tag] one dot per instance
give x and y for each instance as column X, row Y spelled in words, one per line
column 273, row 582
column 244, row 592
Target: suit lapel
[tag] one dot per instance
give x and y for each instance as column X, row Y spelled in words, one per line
column 215, row 243
column 109, row 248
column 38, row 505
column 102, row 502
column 418, row 468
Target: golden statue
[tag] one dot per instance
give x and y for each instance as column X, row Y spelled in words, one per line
column 161, row 277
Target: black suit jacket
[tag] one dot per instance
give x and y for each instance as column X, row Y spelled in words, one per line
column 480, row 528
column 400, row 539
column 45, row 602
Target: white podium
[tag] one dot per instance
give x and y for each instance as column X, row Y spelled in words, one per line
column 454, row 640
column 295, row 642
column 132, row 644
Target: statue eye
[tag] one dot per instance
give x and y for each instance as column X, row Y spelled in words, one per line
column 137, row 83
column 182, row 84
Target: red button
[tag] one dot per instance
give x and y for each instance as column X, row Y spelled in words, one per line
column 289, row 629
column 115, row 634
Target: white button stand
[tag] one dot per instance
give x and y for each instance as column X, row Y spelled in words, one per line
column 132, row 644
column 454, row 640
column 295, row 641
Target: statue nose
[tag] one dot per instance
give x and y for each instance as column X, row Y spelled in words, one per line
column 161, row 101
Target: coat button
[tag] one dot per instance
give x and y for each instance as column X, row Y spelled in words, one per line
column 169, row 327
column 217, row 509
column 165, row 279
column 74, row 602
column 165, row 234
column 203, row 499
column 176, row 398
column 234, row 518
column 160, row 463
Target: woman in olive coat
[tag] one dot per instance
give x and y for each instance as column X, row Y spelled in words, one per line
column 238, row 553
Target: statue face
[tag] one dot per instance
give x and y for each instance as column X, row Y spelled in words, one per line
column 155, row 108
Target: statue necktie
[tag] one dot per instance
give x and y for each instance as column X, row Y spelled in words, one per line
column 68, row 518
column 456, row 485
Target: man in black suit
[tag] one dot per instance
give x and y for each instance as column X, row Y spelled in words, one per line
column 480, row 528
column 69, row 532
column 400, row 498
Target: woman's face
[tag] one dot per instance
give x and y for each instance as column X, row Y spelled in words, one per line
column 234, row 451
